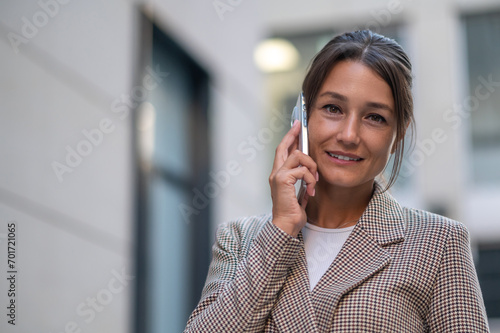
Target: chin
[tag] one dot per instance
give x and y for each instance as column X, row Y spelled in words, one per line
column 347, row 181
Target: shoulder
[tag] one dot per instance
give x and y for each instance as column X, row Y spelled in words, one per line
column 422, row 222
column 239, row 233
column 247, row 226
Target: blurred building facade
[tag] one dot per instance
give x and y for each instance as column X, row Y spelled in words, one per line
column 131, row 129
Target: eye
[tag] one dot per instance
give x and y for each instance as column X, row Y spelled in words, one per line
column 376, row 118
column 332, row 109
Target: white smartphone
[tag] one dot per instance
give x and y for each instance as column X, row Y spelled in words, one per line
column 300, row 113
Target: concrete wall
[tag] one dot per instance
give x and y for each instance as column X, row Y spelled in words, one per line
column 61, row 67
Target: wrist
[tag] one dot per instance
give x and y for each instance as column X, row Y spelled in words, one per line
column 285, row 225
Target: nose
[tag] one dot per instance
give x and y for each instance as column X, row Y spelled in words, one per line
column 348, row 132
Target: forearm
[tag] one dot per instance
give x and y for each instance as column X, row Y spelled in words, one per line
column 240, row 294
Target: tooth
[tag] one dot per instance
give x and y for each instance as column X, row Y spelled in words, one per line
column 342, row 157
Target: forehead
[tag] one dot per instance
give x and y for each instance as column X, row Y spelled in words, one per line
column 357, row 82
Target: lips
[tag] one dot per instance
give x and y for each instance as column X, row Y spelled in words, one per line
column 344, row 156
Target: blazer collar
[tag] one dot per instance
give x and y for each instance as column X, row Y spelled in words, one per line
column 383, row 219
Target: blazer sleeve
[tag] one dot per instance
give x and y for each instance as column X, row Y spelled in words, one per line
column 457, row 304
column 240, row 291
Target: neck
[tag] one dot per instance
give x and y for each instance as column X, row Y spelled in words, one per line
column 338, row 207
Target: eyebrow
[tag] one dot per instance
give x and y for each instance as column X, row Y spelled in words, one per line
column 334, row 95
column 371, row 105
column 374, row 105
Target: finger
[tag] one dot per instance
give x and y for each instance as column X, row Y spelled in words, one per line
column 289, row 140
column 292, row 176
column 310, row 180
column 290, row 137
column 298, row 158
column 311, row 188
column 294, row 146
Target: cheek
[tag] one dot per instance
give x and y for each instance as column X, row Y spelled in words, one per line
column 382, row 148
column 318, row 133
column 314, row 132
column 313, row 142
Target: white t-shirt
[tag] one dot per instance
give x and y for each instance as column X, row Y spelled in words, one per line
column 322, row 246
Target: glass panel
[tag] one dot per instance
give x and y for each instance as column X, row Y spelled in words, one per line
column 176, row 251
column 172, row 105
column 483, row 101
column 169, row 256
column 488, row 270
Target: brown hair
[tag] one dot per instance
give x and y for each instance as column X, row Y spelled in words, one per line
column 386, row 58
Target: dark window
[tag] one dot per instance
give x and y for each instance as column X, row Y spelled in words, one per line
column 488, row 270
column 482, row 104
column 172, row 142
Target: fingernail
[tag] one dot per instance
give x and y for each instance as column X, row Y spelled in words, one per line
column 317, row 176
column 314, row 192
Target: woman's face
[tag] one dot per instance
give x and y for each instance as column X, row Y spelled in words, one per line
column 352, row 125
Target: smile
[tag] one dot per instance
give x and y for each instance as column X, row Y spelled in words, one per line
column 342, row 157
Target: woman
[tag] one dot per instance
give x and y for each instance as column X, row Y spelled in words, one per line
column 349, row 258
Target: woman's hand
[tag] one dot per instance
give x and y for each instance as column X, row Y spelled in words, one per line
column 290, row 166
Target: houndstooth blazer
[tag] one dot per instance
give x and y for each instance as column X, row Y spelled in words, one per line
column 400, row 270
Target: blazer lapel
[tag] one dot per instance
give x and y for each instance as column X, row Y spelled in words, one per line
column 362, row 255
column 293, row 311
column 360, row 258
